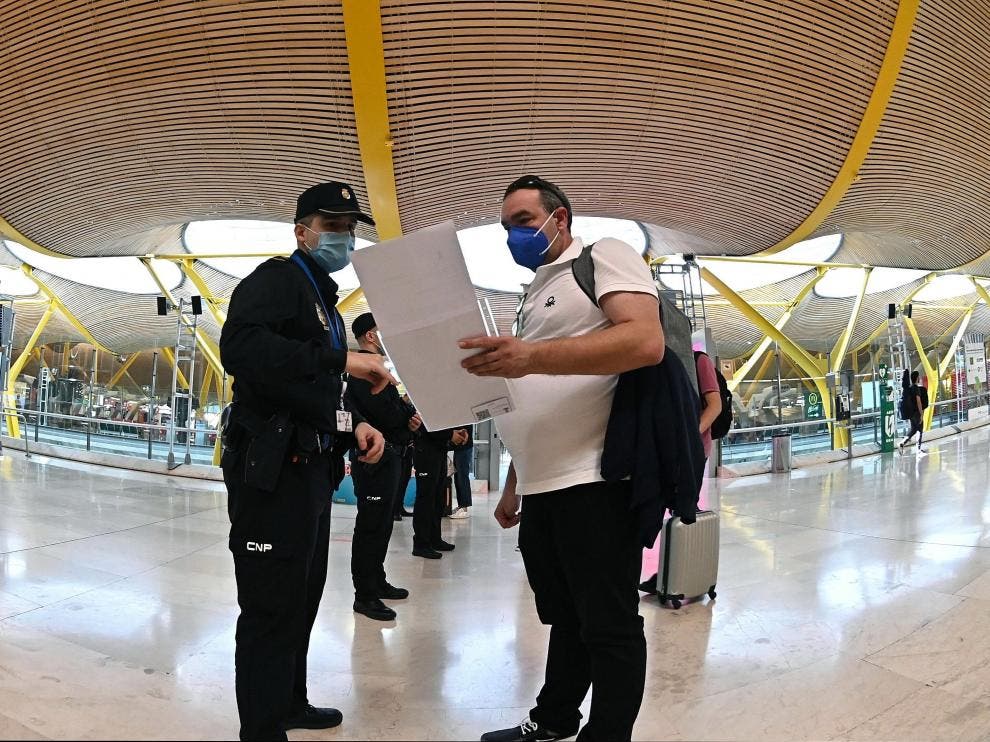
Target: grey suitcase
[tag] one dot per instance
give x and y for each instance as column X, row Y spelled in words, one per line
column 688, row 559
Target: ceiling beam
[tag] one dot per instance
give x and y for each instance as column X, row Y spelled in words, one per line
column 883, row 88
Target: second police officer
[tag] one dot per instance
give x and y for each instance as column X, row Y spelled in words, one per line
column 286, row 433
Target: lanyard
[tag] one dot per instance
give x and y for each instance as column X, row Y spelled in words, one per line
column 335, row 330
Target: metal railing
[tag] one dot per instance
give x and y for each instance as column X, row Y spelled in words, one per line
column 16, row 413
column 87, row 425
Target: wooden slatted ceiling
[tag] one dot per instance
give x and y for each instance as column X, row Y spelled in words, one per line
column 926, row 179
column 725, row 120
column 27, row 315
column 136, row 115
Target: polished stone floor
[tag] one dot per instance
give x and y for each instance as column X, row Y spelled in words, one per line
column 854, row 603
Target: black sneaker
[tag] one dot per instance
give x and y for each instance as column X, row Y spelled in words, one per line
column 391, row 592
column 375, row 609
column 443, row 546
column 312, row 717
column 527, row 731
column 426, row 552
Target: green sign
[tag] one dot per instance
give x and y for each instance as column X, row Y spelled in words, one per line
column 888, row 421
column 883, row 371
column 813, row 407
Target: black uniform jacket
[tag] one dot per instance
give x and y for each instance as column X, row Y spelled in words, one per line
column 386, row 411
column 277, row 345
column 653, row 438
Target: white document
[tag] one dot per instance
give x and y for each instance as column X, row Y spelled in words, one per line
column 419, row 291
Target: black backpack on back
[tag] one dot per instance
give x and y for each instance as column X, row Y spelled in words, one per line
column 723, row 423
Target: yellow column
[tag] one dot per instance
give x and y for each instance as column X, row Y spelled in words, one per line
column 15, row 370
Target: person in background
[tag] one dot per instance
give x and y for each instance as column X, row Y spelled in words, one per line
column 463, row 456
column 377, row 485
column 711, row 398
column 430, row 461
column 915, row 402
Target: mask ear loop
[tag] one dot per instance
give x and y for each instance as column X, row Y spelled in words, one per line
column 549, row 242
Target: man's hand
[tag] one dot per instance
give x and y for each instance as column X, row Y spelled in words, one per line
column 508, row 357
column 459, row 437
column 507, row 512
column 371, row 368
column 371, row 442
column 415, row 422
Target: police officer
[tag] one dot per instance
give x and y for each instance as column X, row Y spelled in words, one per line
column 287, row 431
column 430, row 460
column 376, row 486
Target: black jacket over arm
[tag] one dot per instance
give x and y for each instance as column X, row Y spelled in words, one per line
column 386, row 411
column 276, row 346
column 653, row 437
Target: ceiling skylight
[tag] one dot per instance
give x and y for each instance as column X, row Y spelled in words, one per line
column 750, row 275
column 14, row 283
column 241, row 236
column 124, row 274
column 843, row 283
column 945, row 287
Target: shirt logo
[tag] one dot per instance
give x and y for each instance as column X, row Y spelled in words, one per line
column 255, row 546
column 322, row 317
column 550, row 302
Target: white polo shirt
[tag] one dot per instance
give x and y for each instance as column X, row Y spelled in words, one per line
column 557, row 432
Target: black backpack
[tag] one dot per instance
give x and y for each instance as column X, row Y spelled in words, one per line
column 723, row 423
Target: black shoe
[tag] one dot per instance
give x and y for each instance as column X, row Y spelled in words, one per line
column 527, row 731
column 375, row 609
column 426, row 552
column 443, row 546
column 649, row 586
column 312, row 717
column 391, row 592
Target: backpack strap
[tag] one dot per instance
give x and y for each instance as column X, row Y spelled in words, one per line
column 583, row 268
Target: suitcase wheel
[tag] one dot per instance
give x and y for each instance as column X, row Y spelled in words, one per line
column 675, row 603
column 711, row 592
column 662, row 597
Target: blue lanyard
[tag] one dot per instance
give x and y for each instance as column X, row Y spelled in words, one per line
column 336, row 330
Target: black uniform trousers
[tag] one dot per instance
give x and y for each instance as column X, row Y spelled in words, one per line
column 375, row 487
column 280, row 541
column 431, row 493
column 405, row 472
column 582, row 558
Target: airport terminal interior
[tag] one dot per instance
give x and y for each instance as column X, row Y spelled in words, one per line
column 806, row 181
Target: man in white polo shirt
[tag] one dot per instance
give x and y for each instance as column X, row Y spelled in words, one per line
column 578, row 535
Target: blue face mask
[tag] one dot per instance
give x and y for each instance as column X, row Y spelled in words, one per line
column 333, row 252
column 529, row 245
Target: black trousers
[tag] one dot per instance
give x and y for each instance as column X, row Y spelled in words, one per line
column 431, row 494
column 582, row 559
column 917, row 426
column 405, row 472
column 280, row 541
column 376, row 487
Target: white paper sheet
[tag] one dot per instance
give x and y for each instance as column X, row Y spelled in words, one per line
column 419, row 291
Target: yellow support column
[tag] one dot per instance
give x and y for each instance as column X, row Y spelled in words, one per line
column 63, row 310
column 931, row 373
column 792, row 350
column 883, row 88
column 115, row 379
column 15, row 370
column 212, row 302
column 764, row 345
column 210, row 350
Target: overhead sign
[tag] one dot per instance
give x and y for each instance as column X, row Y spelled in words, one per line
column 813, row 407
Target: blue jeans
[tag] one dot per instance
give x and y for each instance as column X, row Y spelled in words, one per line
column 462, row 463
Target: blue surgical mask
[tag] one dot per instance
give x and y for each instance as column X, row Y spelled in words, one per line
column 529, row 245
column 333, row 252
